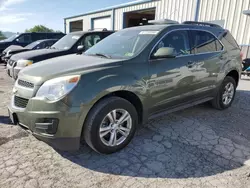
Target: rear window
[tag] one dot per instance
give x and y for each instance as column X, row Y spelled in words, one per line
column 229, row 42
column 205, row 42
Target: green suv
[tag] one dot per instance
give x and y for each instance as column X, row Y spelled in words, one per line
column 131, row 76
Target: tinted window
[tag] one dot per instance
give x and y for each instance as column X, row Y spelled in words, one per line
column 205, row 42
column 26, row 38
column 49, row 43
column 90, row 41
column 178, row 40
column 229, row 41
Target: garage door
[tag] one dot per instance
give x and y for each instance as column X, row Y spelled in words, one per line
column 101, row 23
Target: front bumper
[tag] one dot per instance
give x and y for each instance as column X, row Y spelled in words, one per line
column 68, row 132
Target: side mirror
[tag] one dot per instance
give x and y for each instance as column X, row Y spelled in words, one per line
column 80, row 48
column 164, row 52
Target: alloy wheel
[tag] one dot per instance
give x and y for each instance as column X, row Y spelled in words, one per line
column 115, row 127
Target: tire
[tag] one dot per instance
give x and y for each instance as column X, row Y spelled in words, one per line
column 217, row 102
column 98, row 114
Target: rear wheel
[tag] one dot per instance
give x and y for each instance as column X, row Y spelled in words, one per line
column 110, row 125
column 226, row 94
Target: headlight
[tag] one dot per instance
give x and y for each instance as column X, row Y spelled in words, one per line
column 24, row 63
column 57, row 88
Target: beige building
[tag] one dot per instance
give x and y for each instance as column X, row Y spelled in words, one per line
column 228, row 13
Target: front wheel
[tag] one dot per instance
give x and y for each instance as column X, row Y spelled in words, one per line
column 110, row 125
column 226, row 94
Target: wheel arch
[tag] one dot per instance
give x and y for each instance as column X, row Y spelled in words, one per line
column 130, row 96
column 235, row 75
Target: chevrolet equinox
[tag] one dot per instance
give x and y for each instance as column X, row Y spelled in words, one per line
column 131, row 76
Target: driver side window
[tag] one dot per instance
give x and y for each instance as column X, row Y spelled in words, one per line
column 90, row 41
column 178, row 40
column 25, row 38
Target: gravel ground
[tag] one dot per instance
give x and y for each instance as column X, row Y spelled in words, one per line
column 197, row 147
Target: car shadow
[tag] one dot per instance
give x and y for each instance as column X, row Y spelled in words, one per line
column 196, row 142
column 5, row 120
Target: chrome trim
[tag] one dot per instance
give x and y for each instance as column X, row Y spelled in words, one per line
column 186, row 29
column 22, row 87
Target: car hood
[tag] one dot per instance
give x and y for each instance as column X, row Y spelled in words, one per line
column 30, row 55
column 64, row 65
column 13, row 47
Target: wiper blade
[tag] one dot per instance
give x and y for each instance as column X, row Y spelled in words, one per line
column 102, row 55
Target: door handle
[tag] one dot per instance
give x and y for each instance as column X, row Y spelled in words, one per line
column 190, row 64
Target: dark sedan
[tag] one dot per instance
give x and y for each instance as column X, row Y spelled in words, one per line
column 14, row 49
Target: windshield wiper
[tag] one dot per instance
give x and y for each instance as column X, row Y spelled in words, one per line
column 102, row 55
column 52, row 47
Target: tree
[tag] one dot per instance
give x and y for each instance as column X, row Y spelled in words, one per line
column 2, row 36
column 39, row 29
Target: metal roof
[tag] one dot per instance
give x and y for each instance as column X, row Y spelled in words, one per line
column 138, row 2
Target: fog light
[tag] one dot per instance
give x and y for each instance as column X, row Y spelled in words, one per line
column 47, row 125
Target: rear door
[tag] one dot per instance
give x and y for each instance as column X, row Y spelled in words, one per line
column 171, row 79
column 209, row 56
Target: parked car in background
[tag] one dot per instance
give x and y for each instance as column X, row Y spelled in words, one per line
column 75, row 42
column 131, row 76
column 14, row 49
column 24, row 39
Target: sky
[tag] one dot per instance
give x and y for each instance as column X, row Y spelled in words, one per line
column 18, row 15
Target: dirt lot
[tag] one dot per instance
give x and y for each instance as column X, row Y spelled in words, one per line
column 197, row 147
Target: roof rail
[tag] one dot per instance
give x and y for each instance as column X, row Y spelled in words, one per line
column 163, row 21
column 202, row 24
column 98, row 29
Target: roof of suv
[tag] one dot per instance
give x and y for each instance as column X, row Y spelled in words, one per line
column 94, row 31
column 215, row 29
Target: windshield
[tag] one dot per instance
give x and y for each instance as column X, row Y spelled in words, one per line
column 66, row 42
column 11, row 38
column 123, row 44
column 32, row 45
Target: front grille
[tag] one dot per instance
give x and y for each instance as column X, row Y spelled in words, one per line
column 25, row 84
column 20, row 102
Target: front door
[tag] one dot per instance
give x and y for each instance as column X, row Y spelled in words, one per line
column 24, row 39
column 171, row 79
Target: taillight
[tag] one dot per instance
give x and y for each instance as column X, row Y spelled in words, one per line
column 241, row 56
